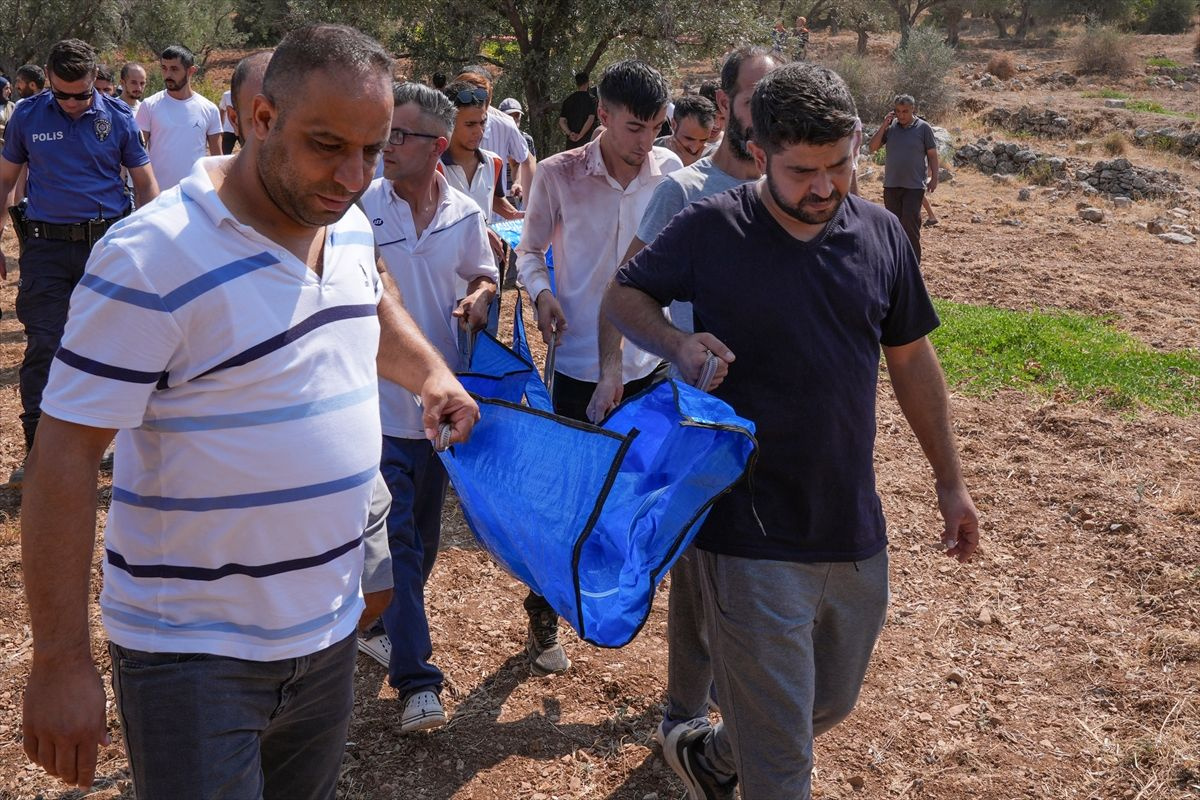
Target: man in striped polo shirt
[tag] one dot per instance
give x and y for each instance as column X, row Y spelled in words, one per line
column 233, row 332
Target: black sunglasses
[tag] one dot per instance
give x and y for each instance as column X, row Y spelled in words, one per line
column 397, row 136
column 469, row 96
column 72, row 96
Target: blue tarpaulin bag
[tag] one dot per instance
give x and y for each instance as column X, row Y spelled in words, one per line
column 592, row 517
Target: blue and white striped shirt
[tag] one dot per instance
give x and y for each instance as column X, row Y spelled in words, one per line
column 245, row 391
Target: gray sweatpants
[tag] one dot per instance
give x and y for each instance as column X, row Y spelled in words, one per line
column 790, row 645
column 689, row 668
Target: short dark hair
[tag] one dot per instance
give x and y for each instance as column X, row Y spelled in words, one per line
column 699, row 108
column 322, row 46
column 708, row 90
column 103, row 73
column 244, row 69
column 438, row 79
column 178, row 52
column 433, row 104
column 635, row 86
column 581, row 78
column 731, row 70
column 71, row 60
column 462, row 94
column 801, row 103
column 32, row 73
column 128, row 66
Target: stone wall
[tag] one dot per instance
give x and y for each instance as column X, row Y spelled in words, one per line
column 1007, row 158
column 1120, row 178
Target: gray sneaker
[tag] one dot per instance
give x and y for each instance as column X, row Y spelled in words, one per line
column 667, row 725
column 546, row 655
column 17, row 478
column 682, row 750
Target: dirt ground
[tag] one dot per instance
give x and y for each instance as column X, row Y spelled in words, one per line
column 1063, row 662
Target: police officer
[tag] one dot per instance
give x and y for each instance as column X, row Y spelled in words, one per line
column 74, row 141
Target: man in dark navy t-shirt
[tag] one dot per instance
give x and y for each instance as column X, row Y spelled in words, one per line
column 74, row 141
column 804, row 282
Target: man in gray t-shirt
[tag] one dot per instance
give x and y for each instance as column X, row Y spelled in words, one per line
column 911, row 155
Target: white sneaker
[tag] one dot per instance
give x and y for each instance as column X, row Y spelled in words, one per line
column 667, row 725
column 422, row 711
column 377, row 647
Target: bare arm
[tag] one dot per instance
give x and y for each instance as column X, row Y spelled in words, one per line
column 566, row 129
column 406, row 357
column 921, row 392
column 526, row 170
column 214, row 144
column 145, row 186
column 931, row 155
column 10, row 173
column 506, row 209
column 63, row 718
column 877, row 139
column 639, row 317
column 473, row 309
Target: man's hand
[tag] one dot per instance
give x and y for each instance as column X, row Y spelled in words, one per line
column 693, row 351
column 889, row 119
column 63, row 718
column 550, row 318
column 606, row 397
column 445, row 401
column 497, row 245
column 932, row 184
column 472, row 310
column 516, row 191
column 961, row 534
column 377, row 602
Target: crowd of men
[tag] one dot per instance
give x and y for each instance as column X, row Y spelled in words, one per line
column 254, row 329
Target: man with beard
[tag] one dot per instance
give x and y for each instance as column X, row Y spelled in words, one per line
column 804, row 284
column 587, row 202
column 133, row 85
column 31, row 79
column 180, row 125
column 689, row 668
column 234, row 332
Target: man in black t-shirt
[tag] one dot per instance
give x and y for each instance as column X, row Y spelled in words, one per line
column 803, row 282
column 577, row 119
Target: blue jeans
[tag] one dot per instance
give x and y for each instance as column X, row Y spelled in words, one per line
column 204, row 726
column 49, row 272
column 417, row 480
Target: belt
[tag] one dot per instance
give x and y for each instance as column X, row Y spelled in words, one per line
column 90, row 231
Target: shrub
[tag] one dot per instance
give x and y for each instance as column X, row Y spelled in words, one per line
column 922, row 70
column 1040, row 173
column 1104, row 50
column 1001, row 65
column 1114, row 144
column 1169, row 16
column 870, row 85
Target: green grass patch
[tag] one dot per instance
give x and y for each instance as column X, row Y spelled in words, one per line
column 1151, row 107
column 1107, row 94
column 1161, row 61
column 1057, row 353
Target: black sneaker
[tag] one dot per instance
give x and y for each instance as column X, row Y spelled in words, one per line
column 681, row 751
column 546, row 655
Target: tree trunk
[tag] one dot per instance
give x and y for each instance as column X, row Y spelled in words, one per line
column 905, row 29
column 1001, row 25
column 954, row 17
column 862, row 42
column 1025, row 21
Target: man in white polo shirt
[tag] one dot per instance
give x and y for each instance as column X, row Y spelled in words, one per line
column 234, row 332
column 433, row 240
column 587, row 203
column 502, row 136
column 180, row 125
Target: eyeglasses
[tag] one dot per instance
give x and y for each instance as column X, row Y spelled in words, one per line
column 472, row 96
column 397, row 136
column 81, row 96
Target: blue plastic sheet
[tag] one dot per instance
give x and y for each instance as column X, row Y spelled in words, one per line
column 592, row 517
column 510, row 231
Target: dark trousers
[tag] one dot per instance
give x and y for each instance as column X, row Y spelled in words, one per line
column 906, row 205
column 49, row 273
column 204, row 726
column 228, row 140
column 417, row 480
column 571, row 398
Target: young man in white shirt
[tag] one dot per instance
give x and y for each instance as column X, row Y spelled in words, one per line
column 469, row 167
column 228, row 132
column 180, row 126
column 433, row 241
column 502, row 136
column 587, row 203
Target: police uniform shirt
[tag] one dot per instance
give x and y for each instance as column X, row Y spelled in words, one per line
column 74, row 164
